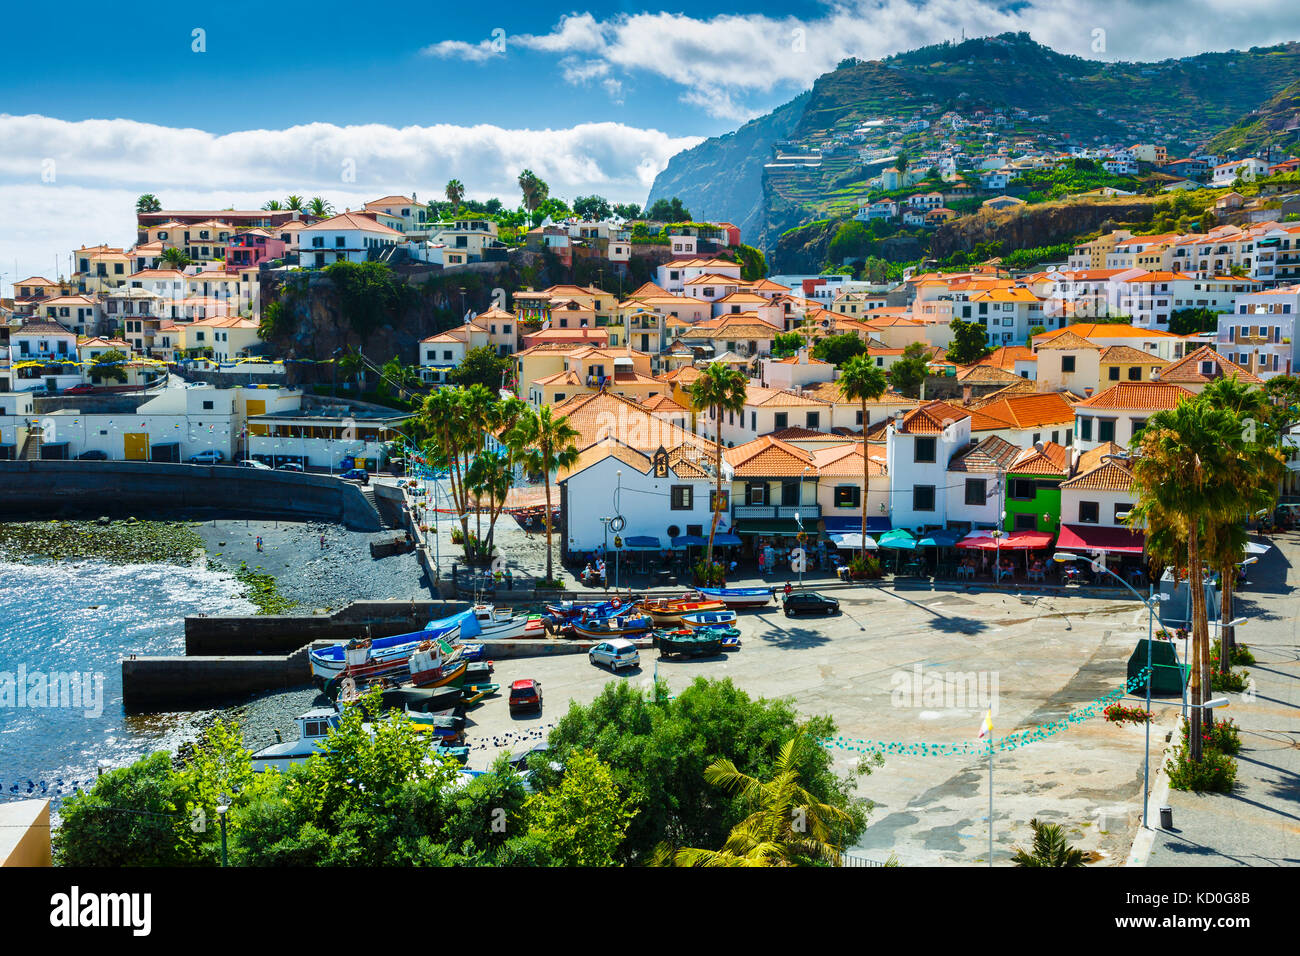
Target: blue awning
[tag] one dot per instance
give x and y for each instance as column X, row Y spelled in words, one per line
column 875, row 524
column 641, row 542
column 939, row 539
column 689, row 540
column 726, row 538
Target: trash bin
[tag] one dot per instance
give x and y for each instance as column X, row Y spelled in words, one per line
column 1166, row 818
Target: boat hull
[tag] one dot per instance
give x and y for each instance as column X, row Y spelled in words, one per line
column 709, row 619
column 738, row 598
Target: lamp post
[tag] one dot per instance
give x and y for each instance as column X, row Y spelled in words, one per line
column 222, row 808
column 1061, row 557
column 798, row 520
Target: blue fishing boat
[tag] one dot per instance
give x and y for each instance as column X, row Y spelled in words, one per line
column 702, row 620
column 367, row 659
column 739, row 598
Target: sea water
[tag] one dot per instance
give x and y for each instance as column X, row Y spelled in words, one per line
column 64, row 628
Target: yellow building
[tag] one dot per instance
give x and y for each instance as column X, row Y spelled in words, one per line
column 1120, row 363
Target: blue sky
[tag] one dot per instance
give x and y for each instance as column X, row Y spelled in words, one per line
column 318, row 99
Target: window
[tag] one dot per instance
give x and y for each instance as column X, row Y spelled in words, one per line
column 1085, row 429
column 923, row 497
column 1105, row 429
column 925, row 449
column 790, row 491
column 976, row 493
column 848, row 496
column 682, row 497
column 1025, row 522
column 1022, row 489
column 755, row 493
column 814, row 419
column 207, row 406
column 1089, row 512
column 1067, row 363
column 1113, row 373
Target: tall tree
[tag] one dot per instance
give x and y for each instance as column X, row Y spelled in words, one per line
column 294, row 203
column 549, row 444
column 455, row 195
column 272, row 205
column 863, row 382
column 176, row 258
column 1182, row 477
column 148, row 203
column 718, row 389
column 534, row 190
column 968, row 343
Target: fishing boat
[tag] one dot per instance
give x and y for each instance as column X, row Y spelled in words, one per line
column 501, row 623
column 436, row 664
column 623, row 626
column 313, row 728
column 670, row 610
column 449, row 727
column 422, row 699
column 688, row 643
column 738, row 598
column 366, row 659
column 701, row 620
column 473, row 693
column 566, row 625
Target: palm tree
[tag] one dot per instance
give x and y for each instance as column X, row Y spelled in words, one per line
column 788, row 826
column 534, row 189
column 176, row 258
column 293, row 203
column 548, row 445
column 148, row 203
column 353, row 364
column 1183, row 479
column 455, row 194
column 1255, row 473
column 273, row 205
column 861, row 380
column 719, row 389
column 320, row 208
column 1050, row 848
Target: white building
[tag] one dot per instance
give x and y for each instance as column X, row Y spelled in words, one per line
column 1259, row 334
column 349, row 236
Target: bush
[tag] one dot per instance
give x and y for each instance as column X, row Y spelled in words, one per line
column 1223, row 737
column 1231, row 682
column 1216, row 773
column 709, row 575
column 1240, row 653
column 864, row 567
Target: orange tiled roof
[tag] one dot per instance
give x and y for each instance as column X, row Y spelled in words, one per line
column 1051, row 459
column 1153, row 396
column 1188, row 369
column 993, row 454
column 768, row 457
column 1032, row 411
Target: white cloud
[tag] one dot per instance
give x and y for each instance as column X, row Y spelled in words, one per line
column 460, row 50
column 719, row 59
column 99, row 167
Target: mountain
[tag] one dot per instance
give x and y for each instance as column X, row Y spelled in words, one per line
column 1276, row 123
column 1042, row 95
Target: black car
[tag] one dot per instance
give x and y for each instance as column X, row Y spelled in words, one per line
column 93, row 455
column 810, row 602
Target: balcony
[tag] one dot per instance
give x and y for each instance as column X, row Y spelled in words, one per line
column 808, row 512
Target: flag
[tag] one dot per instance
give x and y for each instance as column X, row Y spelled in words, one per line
column 986, row 731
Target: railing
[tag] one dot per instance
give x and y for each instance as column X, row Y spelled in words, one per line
column 807, row 512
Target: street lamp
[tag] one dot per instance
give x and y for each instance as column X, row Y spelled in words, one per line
column 222, row 808
column 1151, row 602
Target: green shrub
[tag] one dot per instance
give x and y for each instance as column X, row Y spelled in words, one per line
column 1233, row 681
column 1224, row 737
column 1216, row 773
column 1241, row 654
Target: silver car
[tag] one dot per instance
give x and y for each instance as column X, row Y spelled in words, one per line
column 615, row 653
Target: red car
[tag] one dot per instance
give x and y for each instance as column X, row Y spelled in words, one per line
column 81, row 389
column 525, row 695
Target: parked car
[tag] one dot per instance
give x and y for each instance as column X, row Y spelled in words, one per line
column 810, row 602
column 79, row 389
column 254, row 463
column 356, row 474
column 93, row 455
column 526, row 694
column 209, row 456
column 520, row 761
column 614, row 654
column 289, row 466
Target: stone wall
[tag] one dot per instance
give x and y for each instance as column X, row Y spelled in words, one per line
column 124, row 488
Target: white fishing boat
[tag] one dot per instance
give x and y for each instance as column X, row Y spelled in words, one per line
column 313, row 727
column 367, row 659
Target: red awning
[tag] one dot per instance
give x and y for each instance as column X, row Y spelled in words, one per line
column 1012, row 541
column 1076, row 537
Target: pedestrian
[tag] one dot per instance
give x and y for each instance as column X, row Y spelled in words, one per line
column 259, row 542
column 322, row 542
column 760, row 562
column 788, row 590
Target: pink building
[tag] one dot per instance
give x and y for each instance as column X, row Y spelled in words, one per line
column 249, row 249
